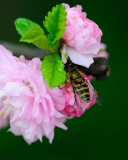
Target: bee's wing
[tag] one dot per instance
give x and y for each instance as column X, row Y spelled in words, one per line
column 78, row 101
column 93, row 93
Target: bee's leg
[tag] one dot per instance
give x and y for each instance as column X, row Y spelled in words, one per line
column 65, row 84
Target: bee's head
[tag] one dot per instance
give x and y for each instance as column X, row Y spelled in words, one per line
column 69, row 67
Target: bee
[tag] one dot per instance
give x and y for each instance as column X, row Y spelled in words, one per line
column 83, row 90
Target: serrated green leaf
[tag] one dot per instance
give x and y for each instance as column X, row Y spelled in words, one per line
column 53, row 71
column 38, row 37
column 55, row 23
column 23, row 25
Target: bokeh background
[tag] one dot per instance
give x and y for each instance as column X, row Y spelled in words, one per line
column 102, row 132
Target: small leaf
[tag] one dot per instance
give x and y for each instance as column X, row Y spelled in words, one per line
column 55, row 23
column 38, row 37
column 53, row 71
column 23, row 25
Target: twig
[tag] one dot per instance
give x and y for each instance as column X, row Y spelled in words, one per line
column 21, row 49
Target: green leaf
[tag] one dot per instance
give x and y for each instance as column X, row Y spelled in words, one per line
column 38, row 37
column 53, row 71
column 23, row 25
column 55, row 23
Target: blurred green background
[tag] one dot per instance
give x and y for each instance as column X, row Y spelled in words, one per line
column 102, row 132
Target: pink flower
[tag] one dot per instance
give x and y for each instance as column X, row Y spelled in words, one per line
column 103, row 52
column 71, row 107
column 82, row 37
column 34, row 110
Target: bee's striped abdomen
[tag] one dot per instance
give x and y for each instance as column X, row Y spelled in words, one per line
column 82, row 91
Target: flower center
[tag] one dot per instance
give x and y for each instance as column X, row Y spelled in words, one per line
column 28, row 84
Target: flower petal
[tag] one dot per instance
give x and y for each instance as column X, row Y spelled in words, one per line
column 80, row 59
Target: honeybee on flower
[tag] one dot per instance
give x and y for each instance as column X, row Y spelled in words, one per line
column 84, row 95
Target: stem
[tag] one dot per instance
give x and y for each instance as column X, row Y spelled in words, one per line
column 27, row 51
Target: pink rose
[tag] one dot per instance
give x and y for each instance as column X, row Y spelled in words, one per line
column 33, row 109
column 82, row 37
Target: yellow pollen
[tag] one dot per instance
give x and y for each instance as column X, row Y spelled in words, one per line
column 27, row 83
column 13, row 106
column 74, row 17
column 31, row 88
column 1, row 113
column 4, row 117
